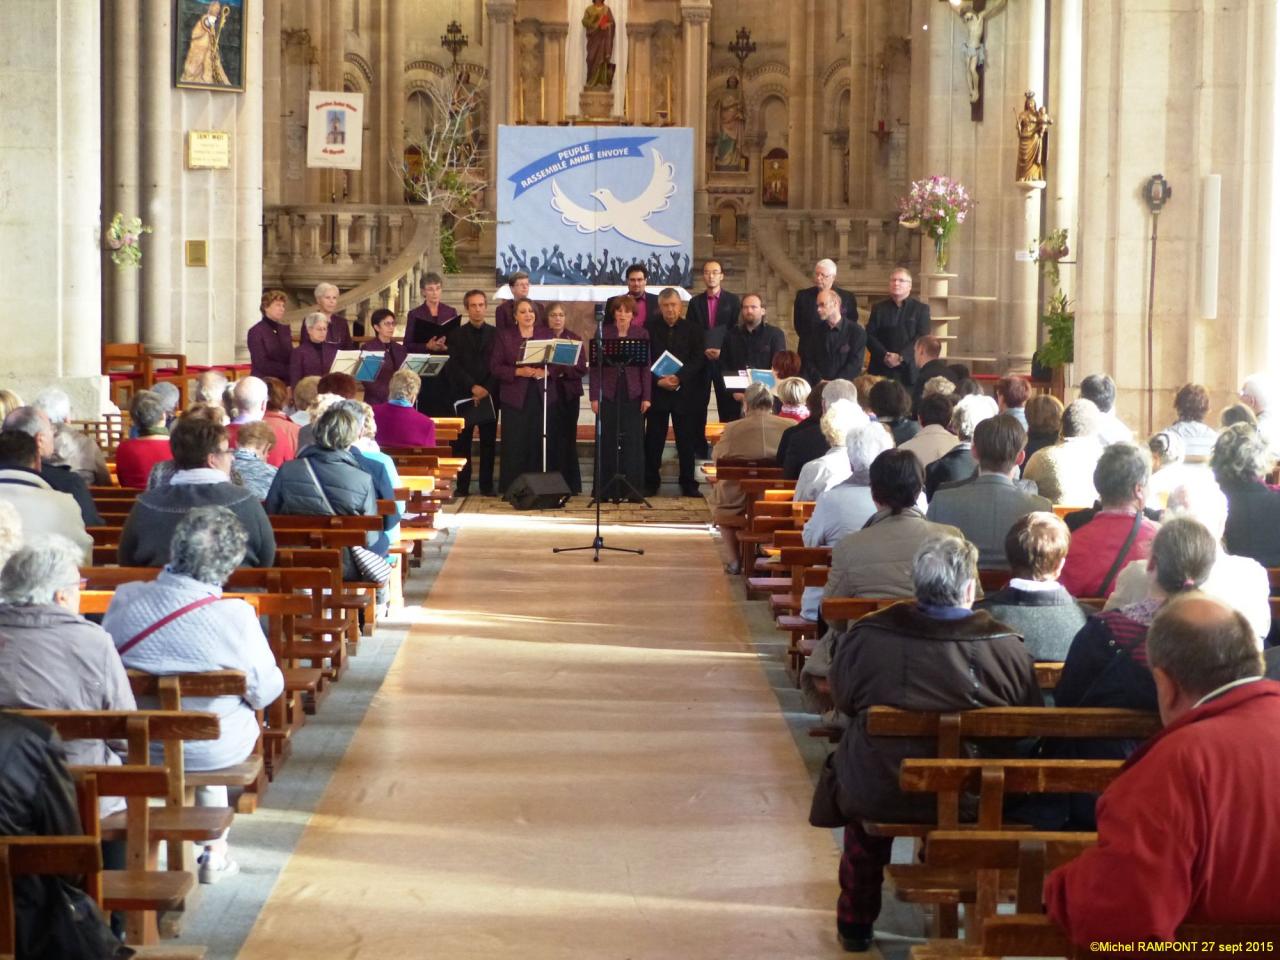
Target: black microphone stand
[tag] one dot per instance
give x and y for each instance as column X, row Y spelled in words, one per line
column 597, row 543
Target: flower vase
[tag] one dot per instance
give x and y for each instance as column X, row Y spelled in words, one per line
column 941, row 252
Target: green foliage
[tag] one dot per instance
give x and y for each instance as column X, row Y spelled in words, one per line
column 1059, row 321
column 449, row 250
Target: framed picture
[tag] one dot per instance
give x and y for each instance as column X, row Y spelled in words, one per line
column 208, row 44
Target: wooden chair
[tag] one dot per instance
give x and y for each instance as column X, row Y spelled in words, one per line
column 43, row 856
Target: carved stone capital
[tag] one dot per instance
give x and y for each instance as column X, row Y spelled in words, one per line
column 555, row 31
column 639, row 31
column 695, row 11
column 500, row 11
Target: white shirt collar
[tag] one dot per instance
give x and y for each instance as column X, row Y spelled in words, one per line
column 1223, row 689
column 1033, row 586
column 183, row 478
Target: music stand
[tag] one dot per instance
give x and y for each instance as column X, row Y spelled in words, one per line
column 597, row 362
column 620, row 353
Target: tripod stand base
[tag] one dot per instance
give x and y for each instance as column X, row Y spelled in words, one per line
column 622, row 490
column 597, row 545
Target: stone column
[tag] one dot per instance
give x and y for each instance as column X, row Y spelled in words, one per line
column 161, row 246
column 393, row 97
column 501, row 14
column 1022, row 308
column 695, row 16
column 122, row 187
column 554, row 35
column 864, row 38
column 1066, row 60
column 639, row 71
column 250, row 177
column 273, row 144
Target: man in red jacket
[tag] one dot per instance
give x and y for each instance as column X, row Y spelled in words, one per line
column 1190, row 831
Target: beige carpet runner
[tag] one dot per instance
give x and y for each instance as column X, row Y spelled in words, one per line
column 566, row 760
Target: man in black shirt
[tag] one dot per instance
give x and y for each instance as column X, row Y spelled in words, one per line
column 470, row 346
column 804, row 313
column 679, row 396
column 716, row 311
column 835, row 348
column 893, row 328
column 751, row 345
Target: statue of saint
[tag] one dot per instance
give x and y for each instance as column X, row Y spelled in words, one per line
column 600, row 25
column 731, row 118
column 974, row 46
column 1032, row 124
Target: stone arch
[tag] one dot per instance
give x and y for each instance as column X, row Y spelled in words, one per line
column 363, row 66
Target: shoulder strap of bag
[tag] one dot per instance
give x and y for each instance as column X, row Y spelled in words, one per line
column 316, row 480
column 1124, row 552
column 166, row 619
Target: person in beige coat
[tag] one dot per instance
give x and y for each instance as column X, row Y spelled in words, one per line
column 1063, row 473
column 754, row 437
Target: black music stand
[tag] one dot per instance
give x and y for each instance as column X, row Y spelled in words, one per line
column 600, row 347
column 619, row 354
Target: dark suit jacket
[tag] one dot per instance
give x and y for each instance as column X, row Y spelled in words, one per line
column 685, row 342
column 956, row 464
column 894, row 329
column 728, row 309
column 470, row 350
column 832, row 354
column 753, row 349
column 804, row 313
column 1253, row 519
column 801, row 444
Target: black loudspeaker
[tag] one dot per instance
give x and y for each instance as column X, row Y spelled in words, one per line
column 538, row 491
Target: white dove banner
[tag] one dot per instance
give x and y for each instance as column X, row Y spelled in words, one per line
column 578, row 205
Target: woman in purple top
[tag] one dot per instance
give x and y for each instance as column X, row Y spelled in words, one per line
column 314, row 355
column 270, row 339
column 399, row 424
column 338, row 334
column 620, row 401
column 383, row 322
column 564, row 391
column 427, row 329
column 519, row 395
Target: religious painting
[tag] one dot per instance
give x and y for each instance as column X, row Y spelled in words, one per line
column 208, row 44
column 578, row 205
column 335, row 128
column 775, row 178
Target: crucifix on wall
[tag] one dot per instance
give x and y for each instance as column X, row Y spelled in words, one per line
column 973, row 16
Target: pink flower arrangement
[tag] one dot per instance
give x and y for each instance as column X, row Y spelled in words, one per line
column 936, row 205
column 122, row 238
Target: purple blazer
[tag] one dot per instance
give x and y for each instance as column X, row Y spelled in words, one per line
column 339, row 334
column 508, row 345
column 270, row 347
column 311, row 360
column 566, row 382
column 504, row 318
column 393, row 355
column 403, row 426
column 639, row 380
column 421, row 326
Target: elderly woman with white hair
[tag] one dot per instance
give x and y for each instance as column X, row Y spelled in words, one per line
column 51, row 658
column 337, row 332
column 958, row 463
column 181, row 623
column 314, row 355
column 820, row 475
column 848, row 505
column 72, row 448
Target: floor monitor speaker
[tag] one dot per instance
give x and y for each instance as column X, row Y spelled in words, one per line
column 538, row 491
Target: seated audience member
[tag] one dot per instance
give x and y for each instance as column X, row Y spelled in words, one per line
column 1239, row 582
column 211, row 390
column 51, row 658
column 399, row 422
column 804, row 441
column 322, row 402
column 785, row 364
column 72, row 448
column 1192, row 406
column 792, row 394
column 819, row 476
column 44, row 510
column 187, row 626
column 969, row 387
column 1256, row 393
column 202, row 478
column 62, row 478
column 1034, row 603
column 1063, row 473
column 934, row 438
column 380, row 467
column 891, row 403
column 942, row 644
column 332, row 387
column 325, row 479
column 285, row 430
column 10, row 530
column 1272, row 659
column 163, row 471
column 249, row 398
column 863, row 383
column 1241, row 459
column 169, row 398
column 9, row 402
column 305, row 392
column 1237, row 413
column 940, row 385
column 986, row 506
column 1044, row 422
column 959, row 463
column 753, row 437
column 138, row 454
column 1012, row 394
column 1163, row 858
column 1119, row 532
column 1100, row 389
column 929, row 363
column 252, row 458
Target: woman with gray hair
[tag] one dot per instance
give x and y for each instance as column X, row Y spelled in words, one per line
column 1240, row 461
column 51, row 658
column 820, row 475
column 846, row 506
column 150, row 445
column 73, row 448
column 337, row 332
column 957, row 659
column 325, row 480
column 1063, row 472
column 313, row 357
column 180, row 623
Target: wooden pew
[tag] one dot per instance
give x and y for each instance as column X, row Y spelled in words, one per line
column 43, row 856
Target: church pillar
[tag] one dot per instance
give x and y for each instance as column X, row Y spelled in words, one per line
column 157, row 180
column 640, row 72
column 862, row 92
column 1022, row 315
column 501, row 14
column 249, row 184
column 554, row 35
column 272, row 90
column 695, row 16
column 1063, row 170
column 392, row 86
column 122, row 185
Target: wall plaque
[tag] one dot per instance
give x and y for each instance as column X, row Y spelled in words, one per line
column 208, row 150
column 197, row 253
